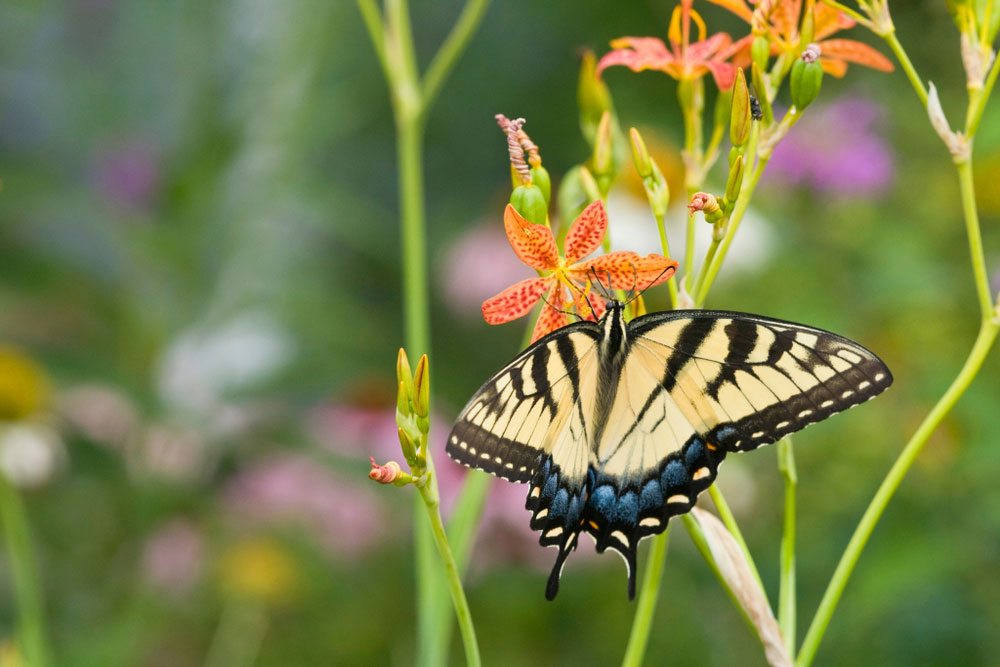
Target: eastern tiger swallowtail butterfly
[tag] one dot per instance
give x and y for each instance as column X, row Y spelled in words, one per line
column 619, row 426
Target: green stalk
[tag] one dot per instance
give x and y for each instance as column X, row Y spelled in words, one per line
column 429, row 495
column 451, row 49
column 239, row 635
column 904, row 61
column 975, row 237
column 24, row 575
column 729, row 521
column 984, row 341
column 786, row 592
column 638, row 638
column 665, row 245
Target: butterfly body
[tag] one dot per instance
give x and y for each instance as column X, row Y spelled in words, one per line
column 618, row 426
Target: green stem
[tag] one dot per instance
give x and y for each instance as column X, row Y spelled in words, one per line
column 703, row 271
column 239, row 635
column 742, row 204
column 904, row 61
column 975, row 237
column 729, row 521
column 665, row 245
column 642, row 623
column 980, row 106
column 24, row 575
column 984, row 341
column 452, row 47
column 376, row 31
column 786, row 592
column 428, row 492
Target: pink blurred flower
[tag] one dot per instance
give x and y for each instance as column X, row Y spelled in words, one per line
column 128, row 173
column 478, row 265
column 173, row 557
column 837, row 148
column 347, row 517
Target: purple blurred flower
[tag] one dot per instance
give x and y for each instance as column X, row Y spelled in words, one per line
column 837, row 148
column 128, row 173
column 478, row 265
column 346, row 517
column 173, row 557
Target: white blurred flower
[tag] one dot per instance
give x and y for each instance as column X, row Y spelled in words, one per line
column 204, row 367
column 30, row 453
column 169, row 451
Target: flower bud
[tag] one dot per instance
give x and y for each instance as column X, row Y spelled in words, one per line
column 408, row 446
column 402, row 402
column 405, row 376
column 592, row 96
column 422, row 388
column 602, row 146
column 529, row 201
column 589, row 185
column 740, row 118
column 806, row 77
column 390, row 473
column 707, row 204
column 760, row 51
column 735, row 180
column 540, row 177
column 808, row 29
column 657, row 191
column 640, row 154
column 765, row 106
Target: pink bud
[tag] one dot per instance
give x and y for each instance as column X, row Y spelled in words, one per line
column 386, row 474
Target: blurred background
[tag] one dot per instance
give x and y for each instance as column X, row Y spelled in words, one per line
column 200, row 311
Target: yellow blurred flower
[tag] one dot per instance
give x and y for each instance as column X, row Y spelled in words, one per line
column 10, row 654
column 260, row 570
column 24, row 388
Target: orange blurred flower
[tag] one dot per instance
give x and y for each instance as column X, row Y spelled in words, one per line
column 560, row 277
column 683, row 60
column 781, row 20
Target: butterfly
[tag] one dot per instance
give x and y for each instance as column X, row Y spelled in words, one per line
column 618, row 426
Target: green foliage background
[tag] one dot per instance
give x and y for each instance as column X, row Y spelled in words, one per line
column 270, row 132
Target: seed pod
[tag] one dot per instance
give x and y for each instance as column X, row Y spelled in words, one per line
column 529, row 201
column 806, row 77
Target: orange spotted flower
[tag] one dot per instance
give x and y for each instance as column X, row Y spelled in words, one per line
column 781, row 20
column 683, row 60
column 566, row 281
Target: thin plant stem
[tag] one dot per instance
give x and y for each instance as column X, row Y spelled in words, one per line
column 239, row 635
column 703, row 271
column 27, row 585
column 376, row 32
column 451, row 49
column 980, row 106
column 834, row 590
column 665, row 246
column 904, row 61
column 975, row 237
column 430, row 497
column 638, row 638
column 786, row 591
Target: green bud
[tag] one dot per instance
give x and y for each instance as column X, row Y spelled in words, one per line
column 639, row 154
column 404, row 376
column 740, row 119
column 540, row 177
column 529, row 201
column 602, row 146
column 592, row 96
column 572, row 197
column 758, row 84
column 760, row 51
column 734, row 153
column 806, row 79
column 735, row 181
column 422, row 388
column 402, row 402
column 657, row 190
column 408, row 446
column 723, row 107
column 808, row 29
column 589, row 185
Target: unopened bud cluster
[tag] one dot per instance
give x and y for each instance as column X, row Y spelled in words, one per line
column 412, row 420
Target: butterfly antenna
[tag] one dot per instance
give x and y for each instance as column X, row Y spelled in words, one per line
column 560, row 310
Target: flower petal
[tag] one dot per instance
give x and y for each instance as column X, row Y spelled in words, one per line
column 550, row 318
column 723, row 73
column 837, row 68
column 704, row 49
column 855, row 52
column 533, row 244
column 515, row 301
column 829, row 21
column 639, row 53
column 627, row 270
column 587, row 232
